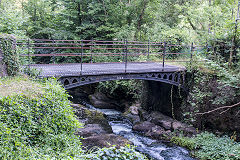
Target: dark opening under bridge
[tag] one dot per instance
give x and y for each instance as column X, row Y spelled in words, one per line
column 91, row 61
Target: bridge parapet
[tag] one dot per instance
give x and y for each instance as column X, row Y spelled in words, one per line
column 95, row 61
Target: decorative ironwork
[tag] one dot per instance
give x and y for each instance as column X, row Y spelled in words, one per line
column 174, row 78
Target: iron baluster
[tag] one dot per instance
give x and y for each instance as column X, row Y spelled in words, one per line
column 91, row 46
column 81, row 57
column 124, row 47
column 54, row 58
column 126, row 58
column 164, row 52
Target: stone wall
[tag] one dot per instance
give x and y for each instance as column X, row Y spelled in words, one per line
column 158, row 96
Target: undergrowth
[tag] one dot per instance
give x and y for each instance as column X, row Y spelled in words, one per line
column 208, row 146
column 37, row 122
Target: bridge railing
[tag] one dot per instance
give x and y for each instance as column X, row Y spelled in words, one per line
column 47, row 51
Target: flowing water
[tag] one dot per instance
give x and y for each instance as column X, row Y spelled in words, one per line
column 153, row 148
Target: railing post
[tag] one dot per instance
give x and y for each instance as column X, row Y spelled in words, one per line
column 124, row 47
column 126, row 50
column 164, row 52
column 91, row 46
column 28, row 47
column 148, row 49
column 54, row 58
column 81, row 56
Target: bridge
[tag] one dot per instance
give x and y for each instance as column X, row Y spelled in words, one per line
column 81, row 62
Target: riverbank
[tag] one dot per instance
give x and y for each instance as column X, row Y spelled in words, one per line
column 37, row 122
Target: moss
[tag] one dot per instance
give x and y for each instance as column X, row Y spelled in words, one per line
column 92, row 117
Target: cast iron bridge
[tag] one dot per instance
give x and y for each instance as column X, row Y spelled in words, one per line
column 91, row 61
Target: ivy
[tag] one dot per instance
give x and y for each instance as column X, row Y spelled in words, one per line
column 10, row 56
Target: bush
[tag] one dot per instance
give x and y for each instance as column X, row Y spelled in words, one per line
column 123, row 153
column 184, row 142
column 121, row 88
column 37, row 125
column 10, row 57
column 37, row 122
column 208, row 146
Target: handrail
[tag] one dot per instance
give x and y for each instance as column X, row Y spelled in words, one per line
column 85, row 48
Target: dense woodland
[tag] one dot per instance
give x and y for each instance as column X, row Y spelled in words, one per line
column 213, row 101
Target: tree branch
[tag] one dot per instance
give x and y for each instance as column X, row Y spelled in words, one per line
column 224, row 107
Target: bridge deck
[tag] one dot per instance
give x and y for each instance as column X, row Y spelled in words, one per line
column 63, row 70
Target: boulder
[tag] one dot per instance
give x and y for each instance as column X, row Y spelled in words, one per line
column 91, row 129
column 133, row 114
column 105, row 140
column 169, row 123
column 90, row 116
column 156, row 132
column 133, row 118
column 133, row 110
column 100, row 100
column 144, row 126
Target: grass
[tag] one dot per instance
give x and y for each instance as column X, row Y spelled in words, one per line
column 10, row 86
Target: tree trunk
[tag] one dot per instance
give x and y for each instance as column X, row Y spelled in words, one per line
column 140, row 19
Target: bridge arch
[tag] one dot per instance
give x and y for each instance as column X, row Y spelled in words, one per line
column 174, row 78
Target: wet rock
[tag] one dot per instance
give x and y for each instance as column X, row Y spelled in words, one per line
column 144, row 126
column 169, row 123
column 89, row 116
column 133, row 118
column 132, row 114
column 91, row 129
column 156, row 132
column 133, row 110
column 100, row 100
column 105, row 140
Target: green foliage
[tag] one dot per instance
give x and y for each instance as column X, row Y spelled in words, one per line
column 11, row 18
column 212, row 85
column 38, row 126
column 217, row 148
column 184, row 142
column 112, row 153
column 37, row 122
column 208, row 146
column 32, row 72
column 121, row 88
column 10, row 56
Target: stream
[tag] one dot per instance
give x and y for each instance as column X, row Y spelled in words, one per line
column 153, row 148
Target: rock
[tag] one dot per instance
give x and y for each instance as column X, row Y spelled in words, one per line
column 105, row 140
column 100, row 100
column 89, row 116
column 91, row 129
column 144, row 115
column 144, row 126
column 156, row 132
column 132, row 114
column 133, row 110
column 133, row 118
column 169, row 123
